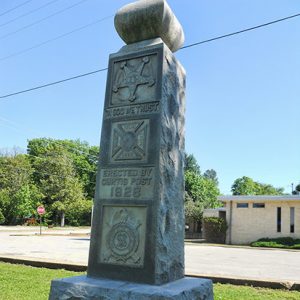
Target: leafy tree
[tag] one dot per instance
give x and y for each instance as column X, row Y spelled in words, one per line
column 268, row 189
column 83, row 156
column 18, row 194
column 296, row 191
column 190, row 164
column 202, row 190
column 26, row 201
column 15, row 172
column 247, row 186
column 193, row 210
column 79, row 212
column 244, row 186
column 59, row 174
column 211, row 174
column 58, row 182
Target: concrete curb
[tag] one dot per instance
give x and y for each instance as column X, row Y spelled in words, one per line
column 288, row 285
column 242, row 246
column 44, row 264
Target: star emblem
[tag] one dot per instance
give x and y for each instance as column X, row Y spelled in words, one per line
column 132, row 76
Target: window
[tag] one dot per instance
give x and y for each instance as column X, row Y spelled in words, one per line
column 242, row 205
column 278, row 219
column 258, row 205
column 292, row 219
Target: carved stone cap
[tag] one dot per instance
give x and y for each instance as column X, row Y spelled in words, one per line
column 148, row 19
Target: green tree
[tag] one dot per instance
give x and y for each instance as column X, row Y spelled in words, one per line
column 83, row 156
column 244, row 186
column 211, row 174
column 57, row 180
column 18, row 194
column 268, row 189
column 193, row 210
column 203, row 191
column 296, row 191
column 191, row 164
column 15, row 171
column 247, row 186
column 79, row 212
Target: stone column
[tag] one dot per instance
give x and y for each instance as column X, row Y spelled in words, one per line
column 138, row 218
column 138, row 225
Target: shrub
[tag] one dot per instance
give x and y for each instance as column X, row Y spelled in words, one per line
column 79, row 213
column 282, row 242
column 214, row 229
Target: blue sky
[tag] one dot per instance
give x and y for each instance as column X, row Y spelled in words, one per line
column 243, row 105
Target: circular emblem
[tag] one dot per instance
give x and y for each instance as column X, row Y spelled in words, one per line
column 123, row 240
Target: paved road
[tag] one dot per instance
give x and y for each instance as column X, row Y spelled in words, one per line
column 71, row 246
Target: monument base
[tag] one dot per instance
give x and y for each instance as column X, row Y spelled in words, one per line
column 83, row 287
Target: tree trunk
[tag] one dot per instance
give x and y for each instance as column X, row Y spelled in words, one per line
column 62, row 219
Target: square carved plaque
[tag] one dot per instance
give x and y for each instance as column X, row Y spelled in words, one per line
column 129, row 141
column 123, row 235
column 134, row 80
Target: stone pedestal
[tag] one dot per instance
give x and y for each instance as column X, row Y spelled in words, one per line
column 85, row 288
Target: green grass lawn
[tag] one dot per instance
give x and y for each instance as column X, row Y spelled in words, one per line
column 18, row 282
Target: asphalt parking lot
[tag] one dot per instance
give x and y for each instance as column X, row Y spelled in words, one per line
column 71, row 246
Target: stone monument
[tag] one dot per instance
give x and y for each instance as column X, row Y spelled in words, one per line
column 137, row 239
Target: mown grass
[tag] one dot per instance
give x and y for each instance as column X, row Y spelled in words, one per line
column 236, row 292
column 18, row 282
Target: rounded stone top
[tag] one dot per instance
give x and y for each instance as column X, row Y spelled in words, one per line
column 149, row 19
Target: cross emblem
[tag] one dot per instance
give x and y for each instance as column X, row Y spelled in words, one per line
column 129, row 140
column 131, row 77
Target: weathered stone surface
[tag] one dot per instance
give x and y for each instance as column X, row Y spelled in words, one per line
column 169, row 264
column 148, row 19
column 85, row 288
column 141, row 169
column 138, row 218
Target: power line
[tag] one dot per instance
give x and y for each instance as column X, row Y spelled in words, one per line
column 41, row 20
column 55, row 38
column 53, row 83
column 185, row 47
column 29, row 13
column 11, row 9
column 240, row 31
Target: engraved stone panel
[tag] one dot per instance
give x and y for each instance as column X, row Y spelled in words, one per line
column 123, row 235
column 129, row 141
column 134, row 80
column 127, row 183
column 132, row 110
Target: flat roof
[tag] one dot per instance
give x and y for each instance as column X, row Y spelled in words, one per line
column 259, row 198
